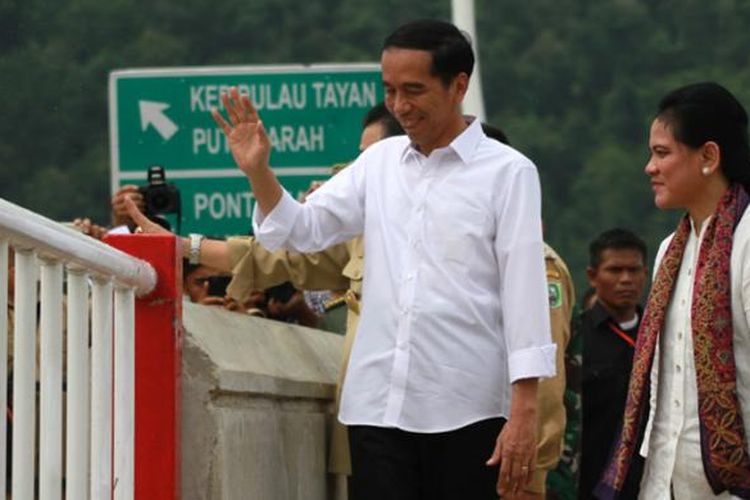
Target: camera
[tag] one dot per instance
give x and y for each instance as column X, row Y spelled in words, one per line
column 159, row 196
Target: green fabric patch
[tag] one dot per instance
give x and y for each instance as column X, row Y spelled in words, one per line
column 554, row 292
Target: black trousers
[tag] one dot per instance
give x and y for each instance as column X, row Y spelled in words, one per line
column 391, row 464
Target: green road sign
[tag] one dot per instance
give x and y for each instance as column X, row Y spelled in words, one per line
column 312, row 114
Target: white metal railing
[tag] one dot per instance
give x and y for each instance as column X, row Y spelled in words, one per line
column 46, row 253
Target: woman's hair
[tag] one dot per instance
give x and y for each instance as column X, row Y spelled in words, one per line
column 703, row 112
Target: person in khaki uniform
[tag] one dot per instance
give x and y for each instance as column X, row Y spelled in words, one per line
column 550, row 393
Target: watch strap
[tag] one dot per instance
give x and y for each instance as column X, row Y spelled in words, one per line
column 194, row 257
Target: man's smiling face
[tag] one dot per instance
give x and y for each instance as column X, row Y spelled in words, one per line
column 425, row 106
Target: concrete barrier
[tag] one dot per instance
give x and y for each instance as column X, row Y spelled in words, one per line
column 256, row 407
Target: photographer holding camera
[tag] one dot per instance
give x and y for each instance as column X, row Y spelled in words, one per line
column 154, row 199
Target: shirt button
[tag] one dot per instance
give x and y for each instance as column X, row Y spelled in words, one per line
column 677, row 368
column 674, row 433
column 682, row 302
column 677, row 403
column 679, row 335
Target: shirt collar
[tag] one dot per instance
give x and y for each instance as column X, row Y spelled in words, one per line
column 467, row 141
column 463, row 145
column 600, row 315
column 705, row 224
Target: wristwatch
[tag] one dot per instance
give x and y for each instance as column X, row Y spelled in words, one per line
column 194, row 257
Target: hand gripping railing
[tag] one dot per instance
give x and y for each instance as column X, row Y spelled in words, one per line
column 100, row 419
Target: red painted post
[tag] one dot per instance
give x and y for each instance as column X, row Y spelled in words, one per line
column 158, row 359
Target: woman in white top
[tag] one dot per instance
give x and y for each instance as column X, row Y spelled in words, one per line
column 694, row 342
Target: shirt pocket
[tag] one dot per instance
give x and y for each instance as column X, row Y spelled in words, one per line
column 460, row 230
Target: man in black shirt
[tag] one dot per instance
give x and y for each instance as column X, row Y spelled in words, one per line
column 617, row 272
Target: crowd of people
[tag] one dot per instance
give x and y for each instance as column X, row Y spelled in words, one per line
column 468, row 369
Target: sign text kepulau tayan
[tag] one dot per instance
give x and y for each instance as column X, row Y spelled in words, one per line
column 291, row 96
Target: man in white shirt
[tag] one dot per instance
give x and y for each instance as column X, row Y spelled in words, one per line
column 455, row 308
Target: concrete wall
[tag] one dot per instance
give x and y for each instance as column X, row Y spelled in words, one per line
column 256, row 407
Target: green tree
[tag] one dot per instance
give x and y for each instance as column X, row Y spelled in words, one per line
column 574, row 83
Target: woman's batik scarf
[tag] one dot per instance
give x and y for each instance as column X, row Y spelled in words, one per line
column 723, row 441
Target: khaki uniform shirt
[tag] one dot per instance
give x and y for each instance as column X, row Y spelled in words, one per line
column 550, row 396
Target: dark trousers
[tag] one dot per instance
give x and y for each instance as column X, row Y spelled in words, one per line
column 397, row 465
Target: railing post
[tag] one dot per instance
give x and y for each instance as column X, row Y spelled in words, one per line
column 124, row 395
column 51, row 377
column 158, row 349
column 24, row 371
column 101, row 390
column 78, row 418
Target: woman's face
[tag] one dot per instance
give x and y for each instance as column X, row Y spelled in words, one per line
column 674, row 168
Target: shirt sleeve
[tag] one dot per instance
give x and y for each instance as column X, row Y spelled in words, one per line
column 333, row 214
column 254, row 267
column 523, row 287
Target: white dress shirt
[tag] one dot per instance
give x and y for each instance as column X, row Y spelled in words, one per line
column 455, row 305
column 672, row 440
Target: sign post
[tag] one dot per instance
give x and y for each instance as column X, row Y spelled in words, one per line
column 312, row 114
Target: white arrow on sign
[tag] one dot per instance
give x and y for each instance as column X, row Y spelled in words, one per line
column 153, row 113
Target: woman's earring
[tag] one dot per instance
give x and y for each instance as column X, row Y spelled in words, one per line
column 706, row 171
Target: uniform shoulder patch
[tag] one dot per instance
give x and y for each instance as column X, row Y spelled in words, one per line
column 554, row 293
